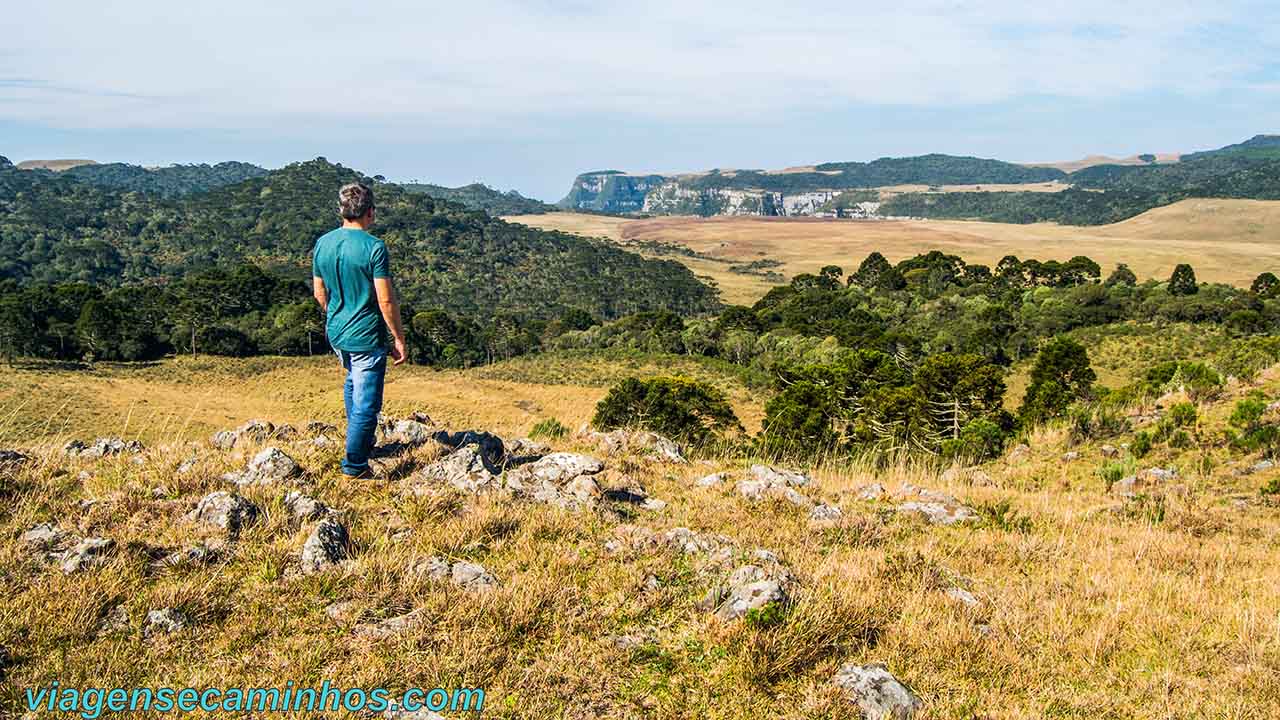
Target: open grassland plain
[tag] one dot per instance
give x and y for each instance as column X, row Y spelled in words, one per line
column 1058, row 597
column 1227, row 241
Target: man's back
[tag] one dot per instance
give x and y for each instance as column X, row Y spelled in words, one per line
column 348, row 260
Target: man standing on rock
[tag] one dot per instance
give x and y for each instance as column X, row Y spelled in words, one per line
column 351, row 277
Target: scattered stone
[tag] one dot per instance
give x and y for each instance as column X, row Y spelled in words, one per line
column 1145, row 482
column 584, row 488
column 1018, row 455
column 627, row 642
column 102, row 447
column 873, row 491
column 431, row 568
column 326, row 547
column 221, row 509
column 224, row 439
column 653, row 504
column 88, row 553
column 343, row 611
column 410, row 432
column 285, row 433
column 963, row 597
column 1109, row 451
column 165, row 621
column 768, row 482
column 1070, row 456
column 489, row 446
column 1262, row 466
column 524, row 450
column 12, row 458
column 315, row 429
column 471, row 576
column 43, row 538
column 256, row 431
column 271, row 465
column 563, row 466
column 199, row 554
column 749, row 587
column 390, row 627
column 940, row 513
column 559, row 479
column 304, row 508
column 823, row 513
column 876, row 692
column 712, row 480
column 186, row 466
column 623, row 441
column 115, row 621
column 776, row 476
column 464, row 469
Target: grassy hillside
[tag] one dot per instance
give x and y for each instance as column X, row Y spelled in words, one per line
column 1059, row 597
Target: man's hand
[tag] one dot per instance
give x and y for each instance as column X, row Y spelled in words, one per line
column 398, row 353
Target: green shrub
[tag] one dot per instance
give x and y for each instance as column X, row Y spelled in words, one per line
column 1182, row 414
column 684, row 410
column 1096, row 422
column 1251, row 432
column 1200, row 381
column 1113, row 472
column 1060, row 376
column 550, row 428
column 1180, row 439
column 979, row 440
column 1141, row 444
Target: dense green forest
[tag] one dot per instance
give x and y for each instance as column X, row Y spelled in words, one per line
column 913, row 356
column 932, row 169
column 170, row 181
column 478, row 196
column 206, row 262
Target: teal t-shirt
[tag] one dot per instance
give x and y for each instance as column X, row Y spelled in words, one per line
column 348, row 260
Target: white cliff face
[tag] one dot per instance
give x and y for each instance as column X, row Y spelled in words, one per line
column 658, row 195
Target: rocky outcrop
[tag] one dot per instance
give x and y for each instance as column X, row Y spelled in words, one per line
column 876, row 692
column 102, row 447
column 271, row 465
column 221, row 509
column 88, row 553
column 326, row 547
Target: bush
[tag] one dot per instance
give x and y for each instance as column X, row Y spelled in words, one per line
column 682, row 409
column 1061, row 375
column 1182, row 414
column 1141, row 444
column 1113, row 472
column 798, row 422
column 979, row 440
column 1096, row 422
column 1200, row 381
column 549, row 428
column 1251, row 432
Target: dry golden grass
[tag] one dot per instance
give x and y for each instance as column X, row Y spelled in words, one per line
column 1089, row 607
column 1227, row 241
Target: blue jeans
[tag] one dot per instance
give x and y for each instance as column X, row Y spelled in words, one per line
column 362, row 395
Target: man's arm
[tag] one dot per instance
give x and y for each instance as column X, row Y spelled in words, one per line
column 319, row 292
column 389, row 304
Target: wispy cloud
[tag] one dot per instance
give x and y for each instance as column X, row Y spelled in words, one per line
column 152, row 63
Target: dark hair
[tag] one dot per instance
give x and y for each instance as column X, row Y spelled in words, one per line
column 355, row 200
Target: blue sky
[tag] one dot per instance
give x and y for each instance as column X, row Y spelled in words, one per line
column 527, row 94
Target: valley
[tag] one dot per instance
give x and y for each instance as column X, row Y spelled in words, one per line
column 1228, row 241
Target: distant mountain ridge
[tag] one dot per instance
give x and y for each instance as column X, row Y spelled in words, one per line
column 479, row 196
column 894, row 186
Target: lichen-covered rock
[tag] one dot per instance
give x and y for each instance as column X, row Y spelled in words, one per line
column 224, row 439
column 431, row 568
column 390, row 627
column 256, row 431
column 43, row 538
column 872, row 491
column 471, row 576
column 640, row 442
column 224, row 510
column 876, row 692
column 1145, row 482
column 410, row 432
column 561, row 467
column 198, row 554
column 749, row 587
column 303, row 508
column 326, row 547
column 464, row 469
column 712, row 480
column 102, row 447
column 315, row 429
column 824, row 513
column 778, row 476
column 768, row 482
column 12, row 458
column 88, row 553
column 271, row 465
column 939, row 513
column 165, row 621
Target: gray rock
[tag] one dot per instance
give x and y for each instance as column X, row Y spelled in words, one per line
column 117, row 620
column 12, row 458
column 326, row 547
column 464, row 469
column 431, row 568
column 390, row 627
column 749, row 587
column 88, row 553
column 872, row 491
column 43, row 538
column 712, row 480
column 410, row 432
column 271, row 465
column 315, row 429
column 876, row 692
column 224, row 439
column 1148, row 481
column 939, row 513
column 187, row 466
column 1262, row 466
column 343, row 611
column 1019, row 454
column 221, row 509
column 303, row 508
column 1070, row 456
column 471, row 576
column 823, row 512
column 199, row 554
column 256, row 431
column 962, row 596
column 165, row 621
column 640, row 442
column 1109, row 451
column 777, row 476
column 73, row 448
column 561, row 467
column 102, row 447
